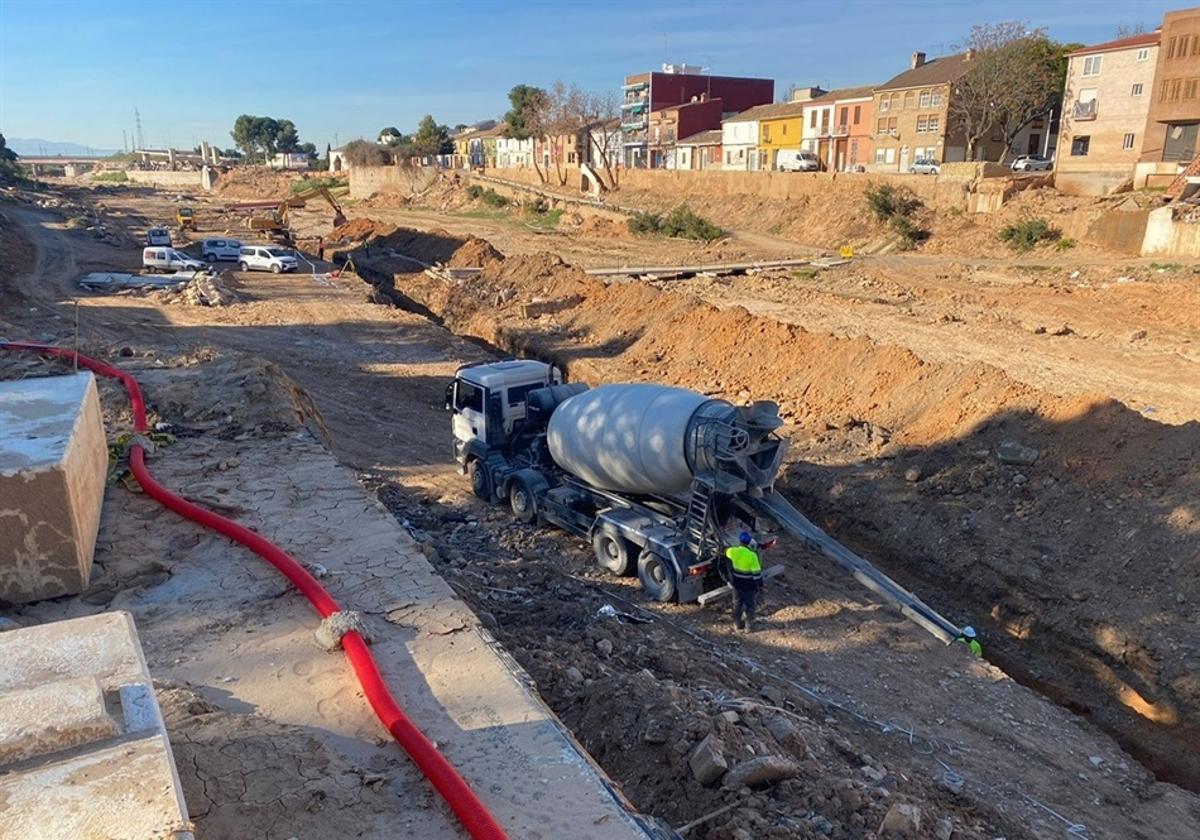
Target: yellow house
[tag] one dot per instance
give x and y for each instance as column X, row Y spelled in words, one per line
column 780, row 127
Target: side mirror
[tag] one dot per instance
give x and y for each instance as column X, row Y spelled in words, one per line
column 450, row 397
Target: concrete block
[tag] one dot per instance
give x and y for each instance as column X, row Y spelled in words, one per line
column 52, row 717
column 707, row 763
column 53, row 462
column 83, row 749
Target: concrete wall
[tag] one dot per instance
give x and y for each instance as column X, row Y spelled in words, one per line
column 365, row 181
column 1168, row 236
column 166, row 178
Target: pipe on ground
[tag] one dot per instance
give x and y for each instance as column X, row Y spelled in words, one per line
column 471, row 812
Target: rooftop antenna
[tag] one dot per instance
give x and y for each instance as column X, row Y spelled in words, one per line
column 137, row 121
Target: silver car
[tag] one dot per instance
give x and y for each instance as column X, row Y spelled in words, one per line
column 1032, row 163
column 925, row 166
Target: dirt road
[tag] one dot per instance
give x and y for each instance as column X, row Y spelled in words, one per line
column 885, row 715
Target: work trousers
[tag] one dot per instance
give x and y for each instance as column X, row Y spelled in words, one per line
column 744, row 602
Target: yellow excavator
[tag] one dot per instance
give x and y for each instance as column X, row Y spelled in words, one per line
column 275, row 224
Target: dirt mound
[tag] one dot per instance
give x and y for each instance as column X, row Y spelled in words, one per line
column 360, row 230
column 204, row 290
column 255, row 182
column 602, row 228
column 1089, row 547
column 475, row 253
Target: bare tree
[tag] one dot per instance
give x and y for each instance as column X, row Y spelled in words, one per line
column 1014, row 76
column 563, row 123
column 601, row 114
column 1126, row 30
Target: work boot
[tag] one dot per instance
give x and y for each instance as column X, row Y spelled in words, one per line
column 750, row 626
column 738, row 624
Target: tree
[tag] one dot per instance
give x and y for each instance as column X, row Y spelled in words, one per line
column 286, row 138
column 601, row 114
column 430, row 138
column 390, row 136
column 264, row 136
column 1014, row 76
column 366, row 153
column 10, row 170
column 526, row 117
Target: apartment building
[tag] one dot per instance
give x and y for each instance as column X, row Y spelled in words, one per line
column 1106, row 103
column 1169, row 138
column 838, row 127
column 677, row 84
column 911, row 113
column 668, row 125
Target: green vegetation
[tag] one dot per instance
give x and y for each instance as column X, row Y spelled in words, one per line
column 539, row 214
column 474, row 192
column 262, row 137
column 329, row 182
column 489, row 197
column 1065, row 244
column 10, row 170
column 680, row 223
column 896, row 206
column 1027, row 233
column 1165, row 266
column 114, row 177
column 804, row 273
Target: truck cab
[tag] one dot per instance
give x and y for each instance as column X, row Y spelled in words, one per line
column 487, row 400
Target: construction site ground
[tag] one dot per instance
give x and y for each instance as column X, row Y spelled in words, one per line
column 900, row 376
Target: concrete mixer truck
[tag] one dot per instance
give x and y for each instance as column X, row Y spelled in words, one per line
column 659, row 479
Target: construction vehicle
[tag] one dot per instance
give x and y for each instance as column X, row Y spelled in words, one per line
column 185, row 218
column 659, row 479
column 275, row 223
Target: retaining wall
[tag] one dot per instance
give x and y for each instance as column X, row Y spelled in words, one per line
column 1167, row 236
column 165, row 178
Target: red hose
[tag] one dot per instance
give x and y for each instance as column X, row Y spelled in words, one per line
column 471, row 812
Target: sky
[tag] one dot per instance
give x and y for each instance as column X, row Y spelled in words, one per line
column 341, row 69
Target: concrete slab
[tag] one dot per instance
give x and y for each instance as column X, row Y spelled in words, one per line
column 53, row 461
column 83, row 749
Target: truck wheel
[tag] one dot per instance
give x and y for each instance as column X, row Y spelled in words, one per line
column 522, row 502
column 243, row 266
column 612, row 552
column 657, row 576
column 480, row 485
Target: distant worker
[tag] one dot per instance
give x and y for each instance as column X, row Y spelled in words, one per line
column 968, row 638
column 321, row 248
column 747, row 580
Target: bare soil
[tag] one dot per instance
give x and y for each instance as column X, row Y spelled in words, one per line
column 1080, row 569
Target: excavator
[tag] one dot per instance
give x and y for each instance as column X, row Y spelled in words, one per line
column 275, row 222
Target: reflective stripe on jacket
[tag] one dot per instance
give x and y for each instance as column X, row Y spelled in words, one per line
column 744, row 562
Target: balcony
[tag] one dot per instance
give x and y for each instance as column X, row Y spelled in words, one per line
column 634, row 105
column 1085, row 110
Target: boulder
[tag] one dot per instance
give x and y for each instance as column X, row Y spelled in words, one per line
column 762, row 771
column 707, row 763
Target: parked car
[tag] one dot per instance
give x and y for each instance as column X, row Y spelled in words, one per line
column 925, row 166
column 169, row 259
column 158, row 236
column 221, row 249
column 789, row 160
column 266, row 258
column 1032, row 163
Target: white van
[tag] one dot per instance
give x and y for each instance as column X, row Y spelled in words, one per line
column 168, row 259
column 791, row 160
column 220, row 249
column 158, row 236
column 267, row 258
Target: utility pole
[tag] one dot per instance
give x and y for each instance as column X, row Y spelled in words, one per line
column 124, row 142
column 137, row 120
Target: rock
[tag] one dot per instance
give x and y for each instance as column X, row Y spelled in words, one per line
column 707, row 763
column 573, row 674
column 901, row 820
column 656, row 732
column 761, row 771
column 1137, row 335
column 742, row 834
column 873, row 774
column 1063, row 330
column 912, row 474
column 943, row 829
column 604, row 647
column 730, row 716
column 1095, row 760
column 786, row 732
column 773, row 693
column 1017, row 454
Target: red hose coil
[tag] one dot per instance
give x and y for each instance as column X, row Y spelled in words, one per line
column 471, row 812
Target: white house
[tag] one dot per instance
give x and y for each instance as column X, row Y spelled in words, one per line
column 739, row 139
column 514, row 154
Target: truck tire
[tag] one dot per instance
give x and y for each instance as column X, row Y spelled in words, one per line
column 243, row 266
column 657, row 576
column 481, row 485
column 210, row 258
column 613, row 552
column 522, row 501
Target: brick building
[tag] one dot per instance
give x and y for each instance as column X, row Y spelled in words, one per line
column 668, row 125
column 646, row 93
column 1106, row 101
column 1173, row 115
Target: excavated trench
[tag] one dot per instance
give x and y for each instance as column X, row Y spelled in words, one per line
column 1064, row 528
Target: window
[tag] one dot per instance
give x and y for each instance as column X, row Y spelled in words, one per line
column 884, row 103
column 892, row 125
column 933, row 123
column 1174, row 86
column 881, row 126
column 925, row 98
column 1189, row 88
column 895, row 97
column 1091, row 65
column 468, row 396
column 518, row 393
column 845, row 116
column 812, row 122
column 1127, row 143
column 890, row 156
column 935, row 99
column 1136, row 90
column 1143, row 54
column 1183, row 46
column 908, row 99
column 922, row 122
column 879, row 155
column 784, row 131
column 857, row 113
column 1079, row 146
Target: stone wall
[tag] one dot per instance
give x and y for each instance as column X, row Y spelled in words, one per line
column 165, row 178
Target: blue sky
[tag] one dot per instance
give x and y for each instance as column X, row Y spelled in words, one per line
column 340, row 69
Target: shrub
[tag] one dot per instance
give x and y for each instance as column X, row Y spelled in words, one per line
column 329, row 182
column 645, row 223
column 117, row 177
column 682, row 223
column 493, row 199
column 1027, row 233
column 887, row 202
column 366, row 153
column 1065, row 244
column 474, row 191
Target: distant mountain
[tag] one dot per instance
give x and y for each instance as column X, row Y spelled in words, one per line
column 38, row 146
